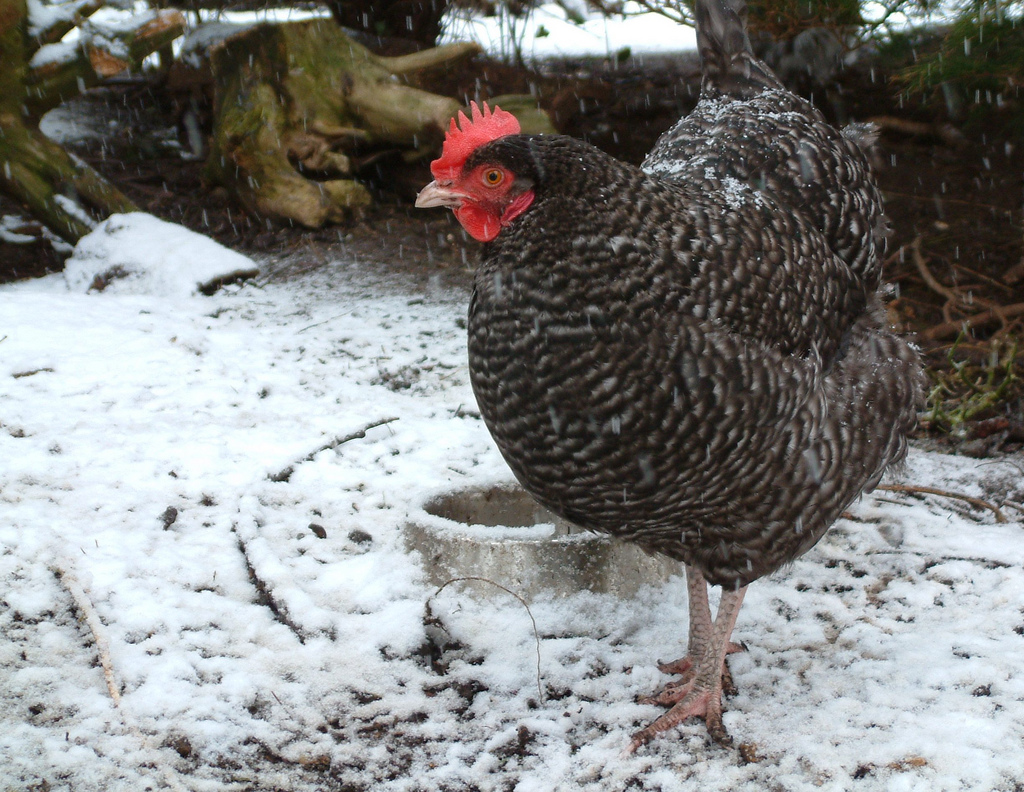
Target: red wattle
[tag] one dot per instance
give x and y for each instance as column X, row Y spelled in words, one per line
column 483, row 223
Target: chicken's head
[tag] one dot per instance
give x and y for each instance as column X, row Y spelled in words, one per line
column 485, row 195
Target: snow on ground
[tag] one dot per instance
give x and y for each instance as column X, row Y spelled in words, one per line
column 549, row 31
column 263, row 634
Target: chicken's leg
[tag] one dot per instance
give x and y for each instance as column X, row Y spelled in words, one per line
column 700, row 625
column 700, row 632
column 701, row 695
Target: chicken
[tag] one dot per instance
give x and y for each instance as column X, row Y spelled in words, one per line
column 689, row 356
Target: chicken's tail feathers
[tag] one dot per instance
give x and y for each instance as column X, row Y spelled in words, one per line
column 727, row 60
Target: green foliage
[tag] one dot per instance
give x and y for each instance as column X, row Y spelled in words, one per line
column 977, row 62
column 970, row 391
column 784, row 19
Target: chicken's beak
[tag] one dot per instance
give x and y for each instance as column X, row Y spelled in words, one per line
column 436, row 194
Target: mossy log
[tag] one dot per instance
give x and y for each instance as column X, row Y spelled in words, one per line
column 294, row 102
column 62, row 192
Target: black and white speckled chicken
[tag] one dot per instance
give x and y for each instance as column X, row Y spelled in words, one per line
column 689, row 356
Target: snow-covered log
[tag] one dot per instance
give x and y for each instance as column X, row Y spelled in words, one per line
column 60, row 71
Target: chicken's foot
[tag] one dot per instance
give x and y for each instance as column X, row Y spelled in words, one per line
column 700, row 696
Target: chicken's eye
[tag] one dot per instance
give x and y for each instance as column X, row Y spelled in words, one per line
column 493, row 177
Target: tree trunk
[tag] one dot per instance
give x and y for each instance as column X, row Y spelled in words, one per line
column 295, row 102
column 65, row 194
column 413, row 20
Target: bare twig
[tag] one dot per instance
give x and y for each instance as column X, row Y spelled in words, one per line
column 31, row 372
column 984, row 277
column 536, row 633
column 286, row 473
column 88, row 613
column 265, row 596
column 984, row 504
column 92, row 621
column 932, row 282
column 951, row 329
column 955, row 299
column 946, row 200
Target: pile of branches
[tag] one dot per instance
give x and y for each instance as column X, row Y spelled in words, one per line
column 974, row 355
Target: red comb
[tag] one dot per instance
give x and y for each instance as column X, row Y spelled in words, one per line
column 487, row 125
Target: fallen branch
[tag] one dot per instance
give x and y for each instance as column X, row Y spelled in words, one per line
column 984, row 504
column 286, row 473
column 58, row 189
column 952, row 329
column 37, row 173
column 955, row 299
column 92, row 620
column 63, row 24
column 445, row 57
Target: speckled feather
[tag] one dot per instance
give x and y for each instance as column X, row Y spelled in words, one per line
column 747, row 127
column 684, row 358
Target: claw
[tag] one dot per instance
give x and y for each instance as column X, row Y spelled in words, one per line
column 672, row 693
column 686, row 667
column 681, row 666
column 728, row 685
column 706, row 704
